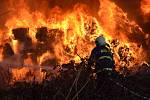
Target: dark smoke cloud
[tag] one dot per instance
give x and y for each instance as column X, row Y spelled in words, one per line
column 132, row 7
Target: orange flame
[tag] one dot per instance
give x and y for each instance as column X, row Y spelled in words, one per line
column 72, row 32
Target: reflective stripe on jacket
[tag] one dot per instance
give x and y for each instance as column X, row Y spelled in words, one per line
column 105, row 57
column 100, row 53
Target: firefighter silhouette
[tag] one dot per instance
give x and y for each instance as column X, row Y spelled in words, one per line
column 102, row 56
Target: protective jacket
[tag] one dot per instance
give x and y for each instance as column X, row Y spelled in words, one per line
column 102, row 56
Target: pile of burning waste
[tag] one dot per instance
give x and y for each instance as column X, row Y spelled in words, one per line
column 34, row 43
column 126, row 58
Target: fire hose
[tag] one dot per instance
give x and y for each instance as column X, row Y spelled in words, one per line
column 125, row 88
column 129, row 90
column 118, row 84
column 13, row 65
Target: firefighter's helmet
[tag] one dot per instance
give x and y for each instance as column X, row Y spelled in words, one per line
column 100, row 41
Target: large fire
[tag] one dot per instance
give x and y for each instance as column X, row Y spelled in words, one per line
column 58, row 36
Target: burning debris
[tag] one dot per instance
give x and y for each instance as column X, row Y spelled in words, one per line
column 38, row 46
column 7, row 50
column 21, row 34
column 42, row 34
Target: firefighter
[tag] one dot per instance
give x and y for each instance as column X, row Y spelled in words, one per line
column 102, row 56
